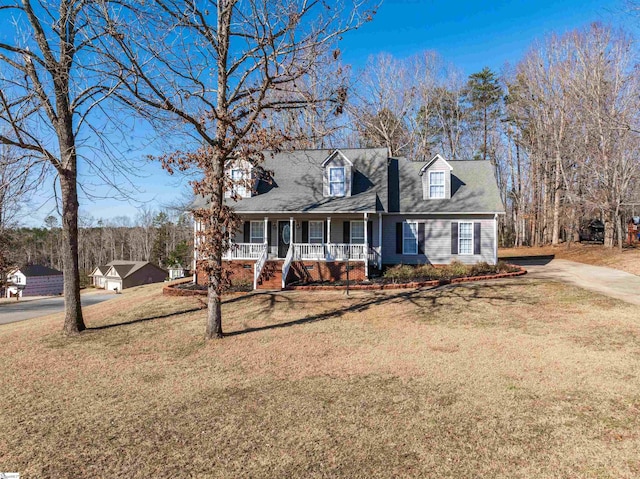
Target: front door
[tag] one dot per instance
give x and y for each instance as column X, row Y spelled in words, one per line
column 284, row 238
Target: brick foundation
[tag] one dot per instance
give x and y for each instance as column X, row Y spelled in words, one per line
column 317, row 271
column 241, row 270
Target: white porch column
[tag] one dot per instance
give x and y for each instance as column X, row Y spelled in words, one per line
column 366, row 245
column 266, row 232
column 328, row 239
column 292, row 232
column 195, row 252
column 380, row 241
column 495, row 239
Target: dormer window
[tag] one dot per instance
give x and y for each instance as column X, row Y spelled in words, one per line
column 237, row 177
column 336, row 181
column 436, row 184
column 436, row 179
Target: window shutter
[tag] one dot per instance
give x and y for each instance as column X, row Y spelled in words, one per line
column 370, row 233
column 454, row 237
column 247, row 232
column 399, row 238
column 305, row 231
column 421, row 238
column 476, row 238
column 326, row 231
column 346, row 232
column 268, row 232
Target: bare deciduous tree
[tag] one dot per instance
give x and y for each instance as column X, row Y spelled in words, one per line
column 219, row 69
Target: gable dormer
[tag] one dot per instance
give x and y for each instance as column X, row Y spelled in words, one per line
column 436, row 179
column 242, row 179
column 337, row 175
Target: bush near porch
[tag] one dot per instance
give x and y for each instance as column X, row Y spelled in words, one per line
column 407, row 273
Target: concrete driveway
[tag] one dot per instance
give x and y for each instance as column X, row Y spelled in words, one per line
column 13, row 311
column 610, row 282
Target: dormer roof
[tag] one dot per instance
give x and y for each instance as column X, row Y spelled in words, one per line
column 437, row 157
column 333, row 155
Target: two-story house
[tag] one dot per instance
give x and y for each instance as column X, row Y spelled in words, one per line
column 325, row 210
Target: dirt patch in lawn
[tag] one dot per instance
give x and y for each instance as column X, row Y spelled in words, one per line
column 512, row 378
column 627, row 259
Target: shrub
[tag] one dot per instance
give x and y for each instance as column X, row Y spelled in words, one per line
column 503, row 267
column 400, row 273
column 482, row 269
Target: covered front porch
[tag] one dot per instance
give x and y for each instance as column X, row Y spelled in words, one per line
column 289, row 239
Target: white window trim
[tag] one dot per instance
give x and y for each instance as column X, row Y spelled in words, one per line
column 444, row 187
column 239, row 189
column 344, row 180
column 403, row 238
column 321, row 232
column 460, row 238
column 251, row 235
column 351, row 237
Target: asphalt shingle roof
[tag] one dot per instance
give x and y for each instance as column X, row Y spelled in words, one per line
column 380, row 184
column 39, row 270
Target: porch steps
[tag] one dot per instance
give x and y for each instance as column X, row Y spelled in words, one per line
column 271, row 276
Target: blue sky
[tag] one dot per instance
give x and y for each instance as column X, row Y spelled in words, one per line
column 469, row 34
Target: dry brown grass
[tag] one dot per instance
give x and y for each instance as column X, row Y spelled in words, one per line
column 510, row 379
column 627, row 259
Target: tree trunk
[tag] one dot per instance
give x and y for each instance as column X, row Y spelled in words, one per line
column 555, row 239
column 73, row 321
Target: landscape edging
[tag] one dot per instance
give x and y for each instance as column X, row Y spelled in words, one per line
column 169, row 289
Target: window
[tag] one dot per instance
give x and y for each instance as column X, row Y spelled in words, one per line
column 336, row 181
column 465, row 238
column 409, row 238
column 256, row 232
column 357, row 232
column 436, row 184
column 316, row 232
column 237, row 177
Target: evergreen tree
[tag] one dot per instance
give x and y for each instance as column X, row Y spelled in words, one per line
column 484, row 94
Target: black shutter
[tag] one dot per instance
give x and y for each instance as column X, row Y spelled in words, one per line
column 305, row 231
column 399, row 238
column 268, row 232
column 454, row 237
column 346, row 232
column 247, row 231
column 326, row 231
column 476, row 238
column 370, row 233
column 420, row 238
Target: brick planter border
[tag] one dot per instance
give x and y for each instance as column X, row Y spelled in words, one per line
column 413, row 284
column 171, row 290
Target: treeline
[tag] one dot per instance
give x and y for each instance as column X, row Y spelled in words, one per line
column 162, row 237
column 560, row 127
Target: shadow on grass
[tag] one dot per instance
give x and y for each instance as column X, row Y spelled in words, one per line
column 433, row 297
column 203, row 305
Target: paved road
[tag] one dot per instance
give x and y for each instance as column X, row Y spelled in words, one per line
column 607, row 281
column 21, row 310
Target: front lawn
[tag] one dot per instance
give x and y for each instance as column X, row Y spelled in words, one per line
column 506, row 379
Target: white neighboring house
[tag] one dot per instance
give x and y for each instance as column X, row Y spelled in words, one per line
column 118, row 274
column 35, row 280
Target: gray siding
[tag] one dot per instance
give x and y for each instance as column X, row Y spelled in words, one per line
column 438, row 165
column 437, row 240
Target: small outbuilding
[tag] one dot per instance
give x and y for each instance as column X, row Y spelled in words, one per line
column 177, row 272
column 119, row 274
column 35, row 280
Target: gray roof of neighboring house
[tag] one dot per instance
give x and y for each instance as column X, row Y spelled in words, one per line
column 380, row 184
column 31, row 270
column 473, row 188
column 127, row 268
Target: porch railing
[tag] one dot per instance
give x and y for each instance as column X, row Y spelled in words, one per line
column 257, row 267
column 332, row 252
column 245, row 250
column 287, row 264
